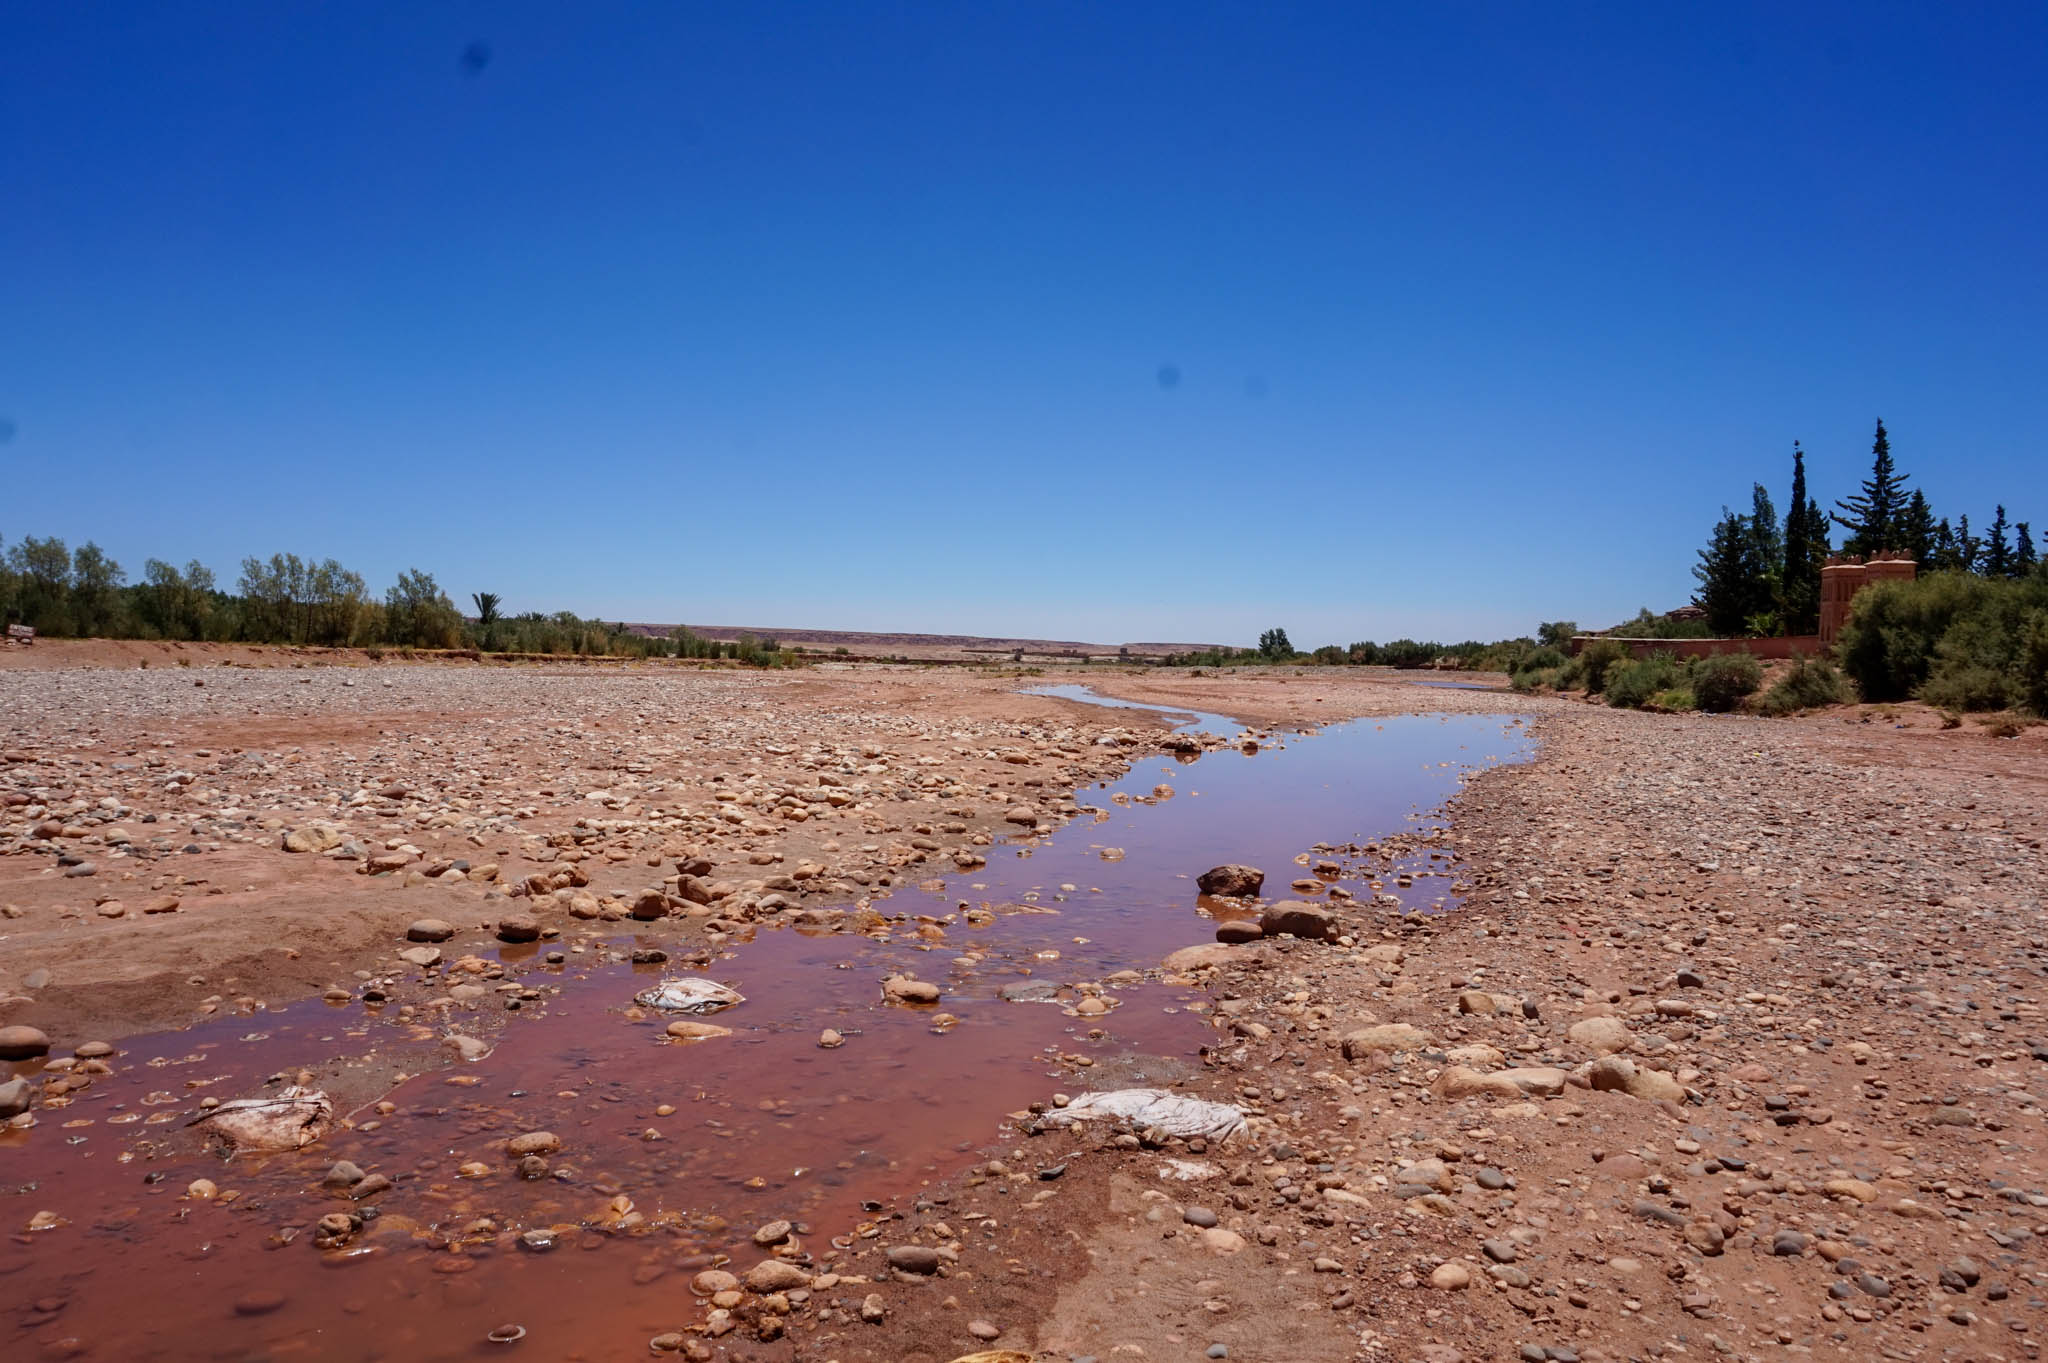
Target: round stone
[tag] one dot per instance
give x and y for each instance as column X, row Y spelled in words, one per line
column 22, row 1043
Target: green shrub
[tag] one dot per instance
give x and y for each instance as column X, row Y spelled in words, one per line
column 2034, row 662
column 1596, row 660
column 1901, row 634
column 1635, row 682
column 1806, row 685
column 1724, row 680
column 1674, row 700
column 1971, row 687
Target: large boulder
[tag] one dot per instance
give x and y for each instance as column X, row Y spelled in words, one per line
column 1232, row 879
column 1298, row 918
column 1602, row 1036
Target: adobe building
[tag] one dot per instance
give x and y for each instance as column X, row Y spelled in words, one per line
column 1843, row 577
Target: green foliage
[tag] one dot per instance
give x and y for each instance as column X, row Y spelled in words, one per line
column 1594, row 663
column 1274, row 646
column 1645, row 625
column 1972, row 686
column 1676, row 700
column 1735, row 581
column 1555, row 634
column 418, row 614
column 1724, row 680
column 1806, row 548
column 1944, row 629
column 1876, row 515
column 1627, row 685
column 1808, row 684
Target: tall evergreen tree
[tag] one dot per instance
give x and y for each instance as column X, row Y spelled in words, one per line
column 1969, row 549
column 1943, row 555
column 1873, row 517
column 1733, row 584
column 2023, row 556
column 1997, row 553
column 1806, row 536
column 1766, row 541
column 1916, row 530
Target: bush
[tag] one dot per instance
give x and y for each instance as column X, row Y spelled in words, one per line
column 1724, row 680
column 1971, row 686
column 1595, row 660
column 1674, row 701
column 1900, row 635
column 1634, row 683
column 1806, row 685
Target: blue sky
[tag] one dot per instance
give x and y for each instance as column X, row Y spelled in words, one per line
column 1107, row 321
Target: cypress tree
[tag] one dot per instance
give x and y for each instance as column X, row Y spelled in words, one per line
column 1997, row 553
column 1873, row 516
column 1805, row 550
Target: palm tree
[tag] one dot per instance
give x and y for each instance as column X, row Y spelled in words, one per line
column 487, row 616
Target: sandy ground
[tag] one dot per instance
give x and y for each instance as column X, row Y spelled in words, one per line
column 1735, row 1048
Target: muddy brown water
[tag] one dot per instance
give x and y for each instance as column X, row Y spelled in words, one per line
column 765, row 1125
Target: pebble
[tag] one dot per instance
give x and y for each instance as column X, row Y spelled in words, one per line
column 1199, row 1216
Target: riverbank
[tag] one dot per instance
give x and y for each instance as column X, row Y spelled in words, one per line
column 1808, row 941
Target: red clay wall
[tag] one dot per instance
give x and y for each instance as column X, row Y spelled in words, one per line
column 1764, row 650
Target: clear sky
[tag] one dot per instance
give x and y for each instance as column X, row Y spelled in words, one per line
column 1113, row 321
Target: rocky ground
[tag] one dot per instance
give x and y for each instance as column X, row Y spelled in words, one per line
column 1734, row 1049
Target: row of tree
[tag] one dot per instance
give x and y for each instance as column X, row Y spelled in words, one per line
column 285, row 599
column 1759, row 575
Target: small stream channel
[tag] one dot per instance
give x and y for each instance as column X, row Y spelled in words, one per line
column 760, row 1125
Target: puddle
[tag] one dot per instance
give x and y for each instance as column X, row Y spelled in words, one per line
column 764, row 1124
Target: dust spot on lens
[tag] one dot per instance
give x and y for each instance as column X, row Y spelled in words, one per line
column 475, row 58
column 1169, row 376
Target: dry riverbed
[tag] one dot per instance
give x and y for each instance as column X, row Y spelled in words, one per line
column 1733, row 1046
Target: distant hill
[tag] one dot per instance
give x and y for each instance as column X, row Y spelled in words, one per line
column 867, row 643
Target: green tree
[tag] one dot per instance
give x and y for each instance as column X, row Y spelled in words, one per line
column 1556, row 633
column 1874, row 517
column 1806, row 553
column 1997, row 553
column 1767, row 548
column 176, row 605
column 1273, row 644
column 1734, row 587
column 1916, row 530
column 42, row 571
column 487, row 617
column 96, row 582
column 1969, row 548
column 417, row 612
column 2023, row 555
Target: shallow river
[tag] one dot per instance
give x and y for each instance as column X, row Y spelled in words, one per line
column 762, row 1125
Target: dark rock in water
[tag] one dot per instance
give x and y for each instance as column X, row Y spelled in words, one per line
column 1231, row 880
column 1238, row 930
column 1030, row 991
